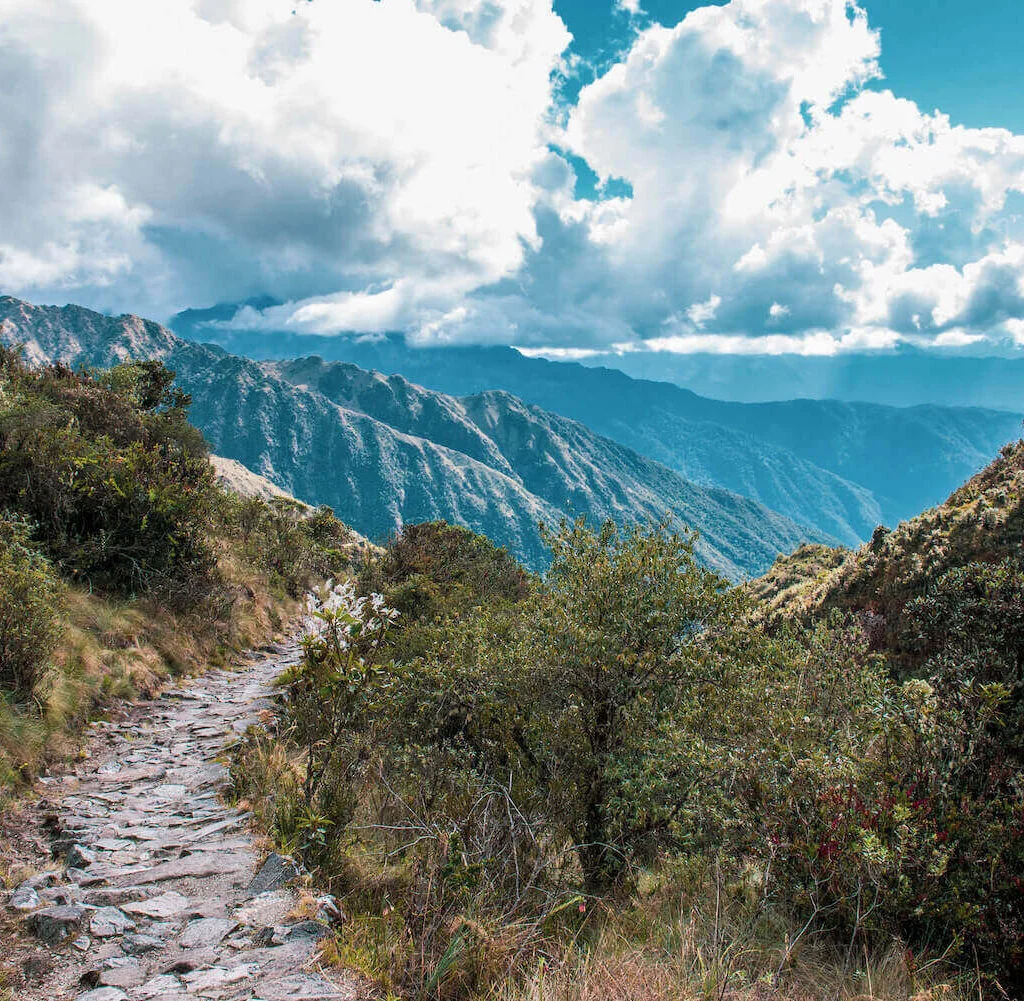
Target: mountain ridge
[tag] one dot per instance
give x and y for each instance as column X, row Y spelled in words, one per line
column 377, row 476
column 841, row 467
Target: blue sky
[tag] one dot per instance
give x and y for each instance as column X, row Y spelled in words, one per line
column 763, row 177
column 966, row 59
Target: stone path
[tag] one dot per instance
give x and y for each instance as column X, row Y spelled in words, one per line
column 159, row 896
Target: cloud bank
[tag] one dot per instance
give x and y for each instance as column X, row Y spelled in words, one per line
column 402, row 165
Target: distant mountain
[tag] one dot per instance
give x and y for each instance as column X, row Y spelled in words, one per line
column 905, row 377
column 383, row 452
column 840, row 467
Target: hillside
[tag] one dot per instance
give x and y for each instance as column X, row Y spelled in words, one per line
column 982, row 521
column 841, row 467
column 383, row 452
column 122, row 562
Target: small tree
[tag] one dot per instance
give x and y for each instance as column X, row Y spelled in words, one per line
column 569, row 696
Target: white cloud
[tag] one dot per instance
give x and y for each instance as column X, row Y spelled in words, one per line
column 765, row 175
column 174, row 149
column 701, row 312
column 385, row 166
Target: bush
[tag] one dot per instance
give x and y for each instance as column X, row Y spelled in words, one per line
column 30, row 600
column 435, row 572
column 112, row 473
column 285, row 540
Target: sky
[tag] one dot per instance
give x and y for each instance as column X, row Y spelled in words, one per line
column 805, row 177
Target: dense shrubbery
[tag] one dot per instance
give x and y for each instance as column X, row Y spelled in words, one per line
column 108, row 468
column 285, row 540
column 433, row 573
column 554, row 744
column 30, row 596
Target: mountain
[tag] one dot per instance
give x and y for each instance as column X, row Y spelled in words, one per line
column 383, row 452
column 982, row 521
column 840, row 467
column 906, row 376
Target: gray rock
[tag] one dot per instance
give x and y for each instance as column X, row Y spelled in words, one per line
column 125, row 973
column 25, row 899
column 160, row 987
column 104, row 994
column 312, row 930
column 193, row 866
column 139, row 945
column 304, row 987
column 41, row 879
column 109, row 921
column 206, row 933
column 167, row 905
column 55, row 925
column 80, row 857
column 62, row 895
column 83, row 878
column 276, row 872
column 219, row 976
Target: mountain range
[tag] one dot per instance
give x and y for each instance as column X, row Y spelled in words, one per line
column 382, row 451
column 836, row 466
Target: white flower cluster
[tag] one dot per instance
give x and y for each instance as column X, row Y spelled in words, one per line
column 338, row 608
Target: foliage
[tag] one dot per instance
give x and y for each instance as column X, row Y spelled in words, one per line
column 110, row 470
column 626, row 719
column 30, row 601
column 434, row 572
column 342, row 640
column 982, row 521
column 285, row 540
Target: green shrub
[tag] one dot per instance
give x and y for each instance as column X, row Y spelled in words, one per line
column 109, row 469
column 30, row 601
column 285, row 540
column 435, row 572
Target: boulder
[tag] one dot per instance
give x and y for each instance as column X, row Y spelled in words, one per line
column 55, row 925
column 276, row 872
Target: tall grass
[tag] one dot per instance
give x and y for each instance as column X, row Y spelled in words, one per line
column 113, row 649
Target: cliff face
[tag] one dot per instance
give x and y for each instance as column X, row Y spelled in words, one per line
column 383, row 452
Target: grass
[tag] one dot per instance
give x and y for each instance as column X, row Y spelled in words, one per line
column 114, row 649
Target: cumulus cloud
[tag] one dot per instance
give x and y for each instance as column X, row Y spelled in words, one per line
column 164, row 153
column 396, row 166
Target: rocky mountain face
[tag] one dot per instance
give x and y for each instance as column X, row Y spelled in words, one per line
column 982, row 521
column 840, row 467
column 383, row 452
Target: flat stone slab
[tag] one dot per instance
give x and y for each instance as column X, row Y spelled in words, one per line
column 206, row 933
column 167, row 905
column 190, row 867
column 109, row 921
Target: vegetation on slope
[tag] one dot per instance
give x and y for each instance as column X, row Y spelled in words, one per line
column 121, row 560
column 981, row 522
column 618, row 781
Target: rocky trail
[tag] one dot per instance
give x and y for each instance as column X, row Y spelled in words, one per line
column 159, row 895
